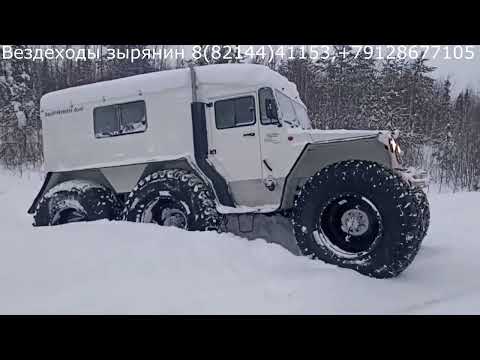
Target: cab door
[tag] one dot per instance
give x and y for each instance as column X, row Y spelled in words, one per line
column 234, row 148
column 279, row 148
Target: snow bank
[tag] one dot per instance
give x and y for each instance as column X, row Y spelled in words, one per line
column 125, row 268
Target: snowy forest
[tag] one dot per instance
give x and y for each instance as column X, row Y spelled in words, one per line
column 438, row 131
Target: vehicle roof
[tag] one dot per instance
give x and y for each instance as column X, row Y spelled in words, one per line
column 241, row 75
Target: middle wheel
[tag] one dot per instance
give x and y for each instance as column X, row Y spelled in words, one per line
column 173, row 197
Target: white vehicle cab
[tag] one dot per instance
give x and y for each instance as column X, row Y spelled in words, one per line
column 192, row 147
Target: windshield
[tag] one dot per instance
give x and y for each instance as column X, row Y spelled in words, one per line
column 292, row 112
column 302, row 115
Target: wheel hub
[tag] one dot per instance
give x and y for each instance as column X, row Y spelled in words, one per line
column 67, row 216
column 355, row 222
column 174, row 217
column 349, row 225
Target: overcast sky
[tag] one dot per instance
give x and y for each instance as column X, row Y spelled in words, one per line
column 462, row 73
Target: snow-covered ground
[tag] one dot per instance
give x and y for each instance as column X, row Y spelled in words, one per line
column 125, row 268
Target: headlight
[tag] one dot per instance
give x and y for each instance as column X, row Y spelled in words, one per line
column 394, row 147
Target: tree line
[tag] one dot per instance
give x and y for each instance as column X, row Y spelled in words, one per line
column 439, row 131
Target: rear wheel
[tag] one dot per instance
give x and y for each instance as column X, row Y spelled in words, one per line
column 359, row 215
column 75, row 201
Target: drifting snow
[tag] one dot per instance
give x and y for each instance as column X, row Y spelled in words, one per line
column 125, row 268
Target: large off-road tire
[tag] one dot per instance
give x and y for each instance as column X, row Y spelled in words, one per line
column 75, row 201
column 423, row 209
column 359, row 215
column 173, row 197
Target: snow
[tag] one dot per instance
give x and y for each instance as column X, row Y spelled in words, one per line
column 25, row 76
column 245, row 75
column 16, row 105
column 320, row 135
column 126, row 268
column 336, row 135
column 81, row 185
column 21, row 119
column 246, row 209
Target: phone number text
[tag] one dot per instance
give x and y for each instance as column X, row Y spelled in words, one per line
column 269, row 53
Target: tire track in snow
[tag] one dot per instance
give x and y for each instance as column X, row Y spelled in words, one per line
column 438, row 300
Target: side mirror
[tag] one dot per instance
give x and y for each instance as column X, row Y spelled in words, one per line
column 271, row 110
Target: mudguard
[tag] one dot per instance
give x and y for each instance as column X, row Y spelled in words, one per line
column 31, row 210
column 54, row 178
column 317, row 155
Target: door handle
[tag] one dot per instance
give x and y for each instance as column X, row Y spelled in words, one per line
column 249, row 134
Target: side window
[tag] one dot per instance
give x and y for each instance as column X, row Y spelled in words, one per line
column 120, row 119
column 105, row 121
column 268, row 106
column 133, row 117
column 235, row 112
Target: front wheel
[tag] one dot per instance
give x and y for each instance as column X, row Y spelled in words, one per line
column 359, row 215
column 424, row 210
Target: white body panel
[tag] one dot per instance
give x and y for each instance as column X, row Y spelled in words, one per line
column 70, row 142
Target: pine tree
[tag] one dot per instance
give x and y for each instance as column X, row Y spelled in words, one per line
column 122, row 67
column 19, row 114
column 85, row 69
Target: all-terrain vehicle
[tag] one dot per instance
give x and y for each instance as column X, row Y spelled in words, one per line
column 195, row 147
